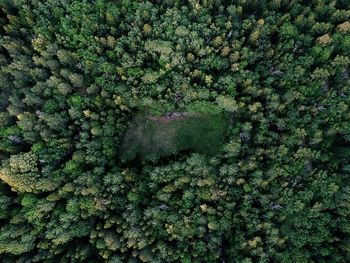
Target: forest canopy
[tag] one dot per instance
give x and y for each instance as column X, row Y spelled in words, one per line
column 174, row 131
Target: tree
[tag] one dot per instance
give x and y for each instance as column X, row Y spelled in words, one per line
column 21, row 172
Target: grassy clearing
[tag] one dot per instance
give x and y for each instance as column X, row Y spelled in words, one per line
column 152, row 137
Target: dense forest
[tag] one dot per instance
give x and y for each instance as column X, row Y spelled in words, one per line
column 175, row 131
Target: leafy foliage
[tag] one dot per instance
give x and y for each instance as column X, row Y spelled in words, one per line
column 260, row 170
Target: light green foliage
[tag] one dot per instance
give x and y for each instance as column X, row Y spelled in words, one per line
column 16, row 240
column 22, row 174
column 251, row 164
